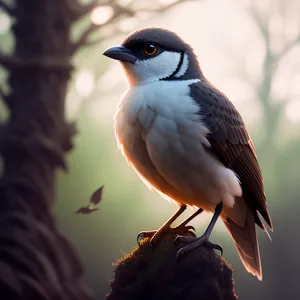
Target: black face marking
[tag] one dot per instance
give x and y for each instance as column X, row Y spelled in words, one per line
column 177, row 69
column 165, row 41
column 138, row 47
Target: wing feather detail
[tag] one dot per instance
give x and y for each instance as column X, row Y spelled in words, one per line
column 231, row 143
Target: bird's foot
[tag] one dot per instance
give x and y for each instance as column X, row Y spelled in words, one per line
column 193, row 243
column 144, row 234
column 157, row 235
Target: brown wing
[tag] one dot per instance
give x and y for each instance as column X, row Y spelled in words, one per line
column 232, row 144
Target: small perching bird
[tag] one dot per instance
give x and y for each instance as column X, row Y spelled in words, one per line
column 187, row 140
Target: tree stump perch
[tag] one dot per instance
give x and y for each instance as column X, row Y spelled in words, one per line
column 154, row 274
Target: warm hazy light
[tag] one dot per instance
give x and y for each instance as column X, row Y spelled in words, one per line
column 293, row 111
column 101, row 14
column 167, row 2
column 129, row 24
column 109, row 80
column 85, row 83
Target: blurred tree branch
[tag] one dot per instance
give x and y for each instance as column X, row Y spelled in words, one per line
column 261, row 23
column 288, row 47
column 103, row 37
column 78, row 10
column 119, row 12
column 272, row 110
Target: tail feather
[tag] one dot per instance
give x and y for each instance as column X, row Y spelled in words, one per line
column 246, row 242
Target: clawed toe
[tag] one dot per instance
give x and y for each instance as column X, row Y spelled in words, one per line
column 144, row 234
column 139, row 238
column 183, row 230
column 179, row 254
column 183, row 239
column 211, row 245
column 194, row 243
column 189, row 230
column 155, row 236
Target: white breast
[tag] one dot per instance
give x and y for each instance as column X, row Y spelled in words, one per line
column 159, row 130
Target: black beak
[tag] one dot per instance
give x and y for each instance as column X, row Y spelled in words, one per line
column 120, row 53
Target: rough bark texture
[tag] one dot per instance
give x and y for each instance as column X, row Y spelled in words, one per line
column 36, row 261
column 154, row 274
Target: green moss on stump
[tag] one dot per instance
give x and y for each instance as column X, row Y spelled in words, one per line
column 155, row 274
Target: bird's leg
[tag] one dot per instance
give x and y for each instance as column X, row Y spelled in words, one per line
column 182, row 226
column 194, row 243
column 179, row 229
column 157, row 234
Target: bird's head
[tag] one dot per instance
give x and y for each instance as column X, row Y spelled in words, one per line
column 154, row 54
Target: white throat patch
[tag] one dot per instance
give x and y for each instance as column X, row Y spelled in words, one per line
column 152, row 69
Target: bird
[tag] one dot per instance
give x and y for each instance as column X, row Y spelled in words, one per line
column 187, row 141
column 94, row 200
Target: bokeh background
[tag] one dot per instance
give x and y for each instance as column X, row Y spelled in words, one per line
column 251, row 51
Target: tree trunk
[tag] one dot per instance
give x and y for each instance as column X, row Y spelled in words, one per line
column 36, row 262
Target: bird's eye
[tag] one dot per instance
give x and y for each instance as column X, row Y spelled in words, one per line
column 150, row 49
